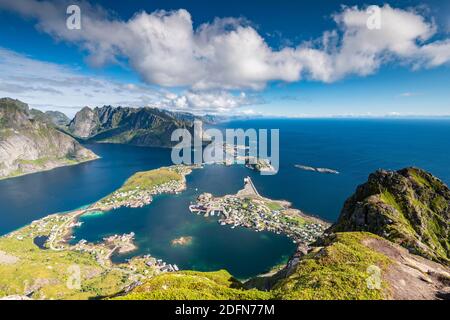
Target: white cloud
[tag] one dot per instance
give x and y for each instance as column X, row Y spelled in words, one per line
column 207, row 101
column 165, row 49
column 49, row 86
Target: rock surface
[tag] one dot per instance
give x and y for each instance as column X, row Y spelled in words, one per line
column 410, row 207
column 137, row 126
column 28, row 144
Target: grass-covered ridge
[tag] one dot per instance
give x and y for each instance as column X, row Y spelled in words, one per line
column 147, row 180
column 339, row 270
column 193, row 285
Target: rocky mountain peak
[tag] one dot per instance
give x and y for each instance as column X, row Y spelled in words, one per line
column 30, row 142
column 84, row 123
column 410, row 207
column 13, row 113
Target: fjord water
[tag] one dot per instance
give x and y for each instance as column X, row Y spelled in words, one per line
column 242, row 252
column 353, row 147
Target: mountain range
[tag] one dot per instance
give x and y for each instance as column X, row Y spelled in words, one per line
column 30, row 142
column 146, row 126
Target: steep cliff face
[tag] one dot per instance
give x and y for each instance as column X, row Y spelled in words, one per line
column 136, row 126
column 85, row 123
column 410, row 207
column 29, row 144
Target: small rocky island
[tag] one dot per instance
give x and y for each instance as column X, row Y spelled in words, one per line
column 182, row 241
column 319, row 170
column 249, row 209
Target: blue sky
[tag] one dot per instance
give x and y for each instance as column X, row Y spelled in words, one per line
column 282, row 58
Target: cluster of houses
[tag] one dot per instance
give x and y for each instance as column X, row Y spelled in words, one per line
column 123, row 243
column 256, row 214
column 138, row 197
column 160, row 265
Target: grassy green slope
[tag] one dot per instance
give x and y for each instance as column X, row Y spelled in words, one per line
column 337, row 271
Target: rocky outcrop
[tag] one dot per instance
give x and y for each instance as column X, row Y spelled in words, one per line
column 137, row 126
column 410, row 207
column 29, row 144
column 85, row 124
column 360, row 265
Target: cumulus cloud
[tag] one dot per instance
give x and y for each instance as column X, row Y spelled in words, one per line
column 50, row 86
column 165, row 49
column 208, row 101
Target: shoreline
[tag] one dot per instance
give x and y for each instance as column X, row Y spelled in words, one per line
column 49, row 169
column 248, row 209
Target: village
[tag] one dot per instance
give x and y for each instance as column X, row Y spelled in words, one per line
column 250, row 210
column 136, row 192
column 137, row 197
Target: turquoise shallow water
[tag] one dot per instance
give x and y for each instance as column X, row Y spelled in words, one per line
column 354, row 147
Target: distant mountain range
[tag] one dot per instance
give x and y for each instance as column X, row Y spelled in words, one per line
column 145, row 126
column 25, row 148
column 31, row 142
column 137, row 126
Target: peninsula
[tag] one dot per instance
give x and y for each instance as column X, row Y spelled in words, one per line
column 249, row 209
column 140, row 188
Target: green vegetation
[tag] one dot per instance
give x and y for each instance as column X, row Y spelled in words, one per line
column 337, row 271
column 431, row 231
column 44, row 273
column 292, row 219
column 409, row 207
column 194, row 286
column 149, row 179
column 274, row 206
column 401, row 224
